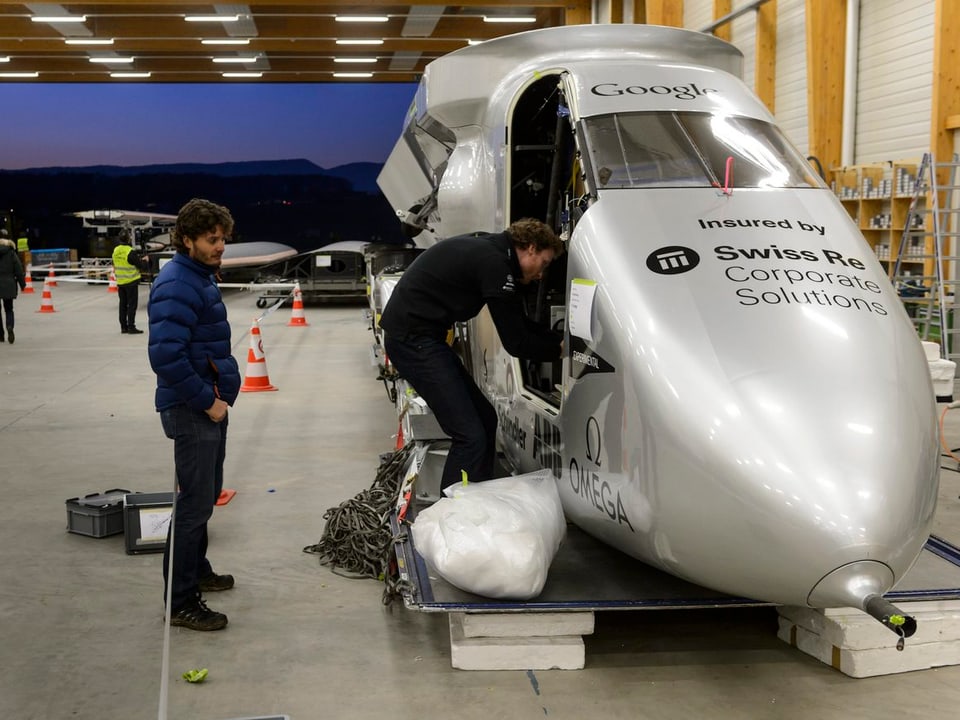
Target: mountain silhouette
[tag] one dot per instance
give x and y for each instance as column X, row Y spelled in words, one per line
column 293, row 201
column 361, row 175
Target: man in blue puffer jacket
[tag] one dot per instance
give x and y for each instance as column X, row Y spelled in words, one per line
column 197, row 379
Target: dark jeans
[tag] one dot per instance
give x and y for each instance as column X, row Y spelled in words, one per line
column 464, row 414
column 129, row 295
column 8, row 311
column 199, row 447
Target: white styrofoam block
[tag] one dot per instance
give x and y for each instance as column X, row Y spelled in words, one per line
column 519, row 653
column 942, row 373
column 872, row 662
column 931, row 350
column 937, row 621
column 543, row 624
column 942, row 369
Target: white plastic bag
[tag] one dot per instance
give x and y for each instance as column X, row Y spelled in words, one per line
column 495, row 538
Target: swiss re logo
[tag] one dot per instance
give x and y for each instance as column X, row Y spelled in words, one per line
column 673, row 260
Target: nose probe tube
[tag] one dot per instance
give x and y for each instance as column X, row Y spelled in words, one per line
column 891, row 616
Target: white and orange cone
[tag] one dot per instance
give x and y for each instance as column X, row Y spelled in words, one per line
column 51, row 277
column 28, row 282
column 46, row 303
column 257, row 379
column 112, row 287
column 297, row 318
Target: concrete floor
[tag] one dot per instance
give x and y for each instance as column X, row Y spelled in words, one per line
column 81, row 628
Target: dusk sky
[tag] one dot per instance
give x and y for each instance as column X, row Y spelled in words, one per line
column 47, row 124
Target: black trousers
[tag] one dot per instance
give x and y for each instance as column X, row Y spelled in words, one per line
column 199, row 449
column 129, row 295
column 8, row 311
column 459, row 406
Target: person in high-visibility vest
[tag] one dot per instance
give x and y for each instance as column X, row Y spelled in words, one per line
column 23, row 244
column 126, row 262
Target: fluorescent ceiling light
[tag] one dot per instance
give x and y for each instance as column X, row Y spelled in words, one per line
column 242, row 74
column 355, row 60
column 509, row 19
column 58, row 18
column 108, row 60
column 88, row 41
column 362, row 18
column 226, row 41
column 243, row 59
column 129, row 74
column 211, row 18
column 5, row 58
column 20, row 74
column 353, row 74
column 360, row 42
column 475, row 42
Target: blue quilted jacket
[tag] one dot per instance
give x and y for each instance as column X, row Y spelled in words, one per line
column 189, row 344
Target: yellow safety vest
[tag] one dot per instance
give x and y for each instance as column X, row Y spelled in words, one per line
column 22, row 244
column 125, row 272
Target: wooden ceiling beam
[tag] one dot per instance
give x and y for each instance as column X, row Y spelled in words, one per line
column 289, row 32
column 345, row 7
column 198, row 77
column 148, row 46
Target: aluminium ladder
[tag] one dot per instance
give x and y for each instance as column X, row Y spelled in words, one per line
column 931, row 233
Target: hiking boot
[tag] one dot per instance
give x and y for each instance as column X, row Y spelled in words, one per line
column 134, row 331
column 215, row 583
column 10, row 336
column 195, row 615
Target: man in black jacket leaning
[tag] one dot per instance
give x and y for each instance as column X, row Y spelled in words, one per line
column 451, row 282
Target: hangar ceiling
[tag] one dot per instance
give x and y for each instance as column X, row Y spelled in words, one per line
column 269, row 41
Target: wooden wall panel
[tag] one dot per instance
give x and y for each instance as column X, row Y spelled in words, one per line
column 665, row 12
column 720, row 9
column 945, row 105
column 826, row 31
column 765, row 68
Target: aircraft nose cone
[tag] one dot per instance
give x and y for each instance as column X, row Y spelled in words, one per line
column 850, row 585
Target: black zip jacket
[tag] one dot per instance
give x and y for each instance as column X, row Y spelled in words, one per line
column 452, row 281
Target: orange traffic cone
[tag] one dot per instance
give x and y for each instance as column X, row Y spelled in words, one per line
column 256, row 379
column 46, row 303
column 297, row 317
column 52, row 277
column 112, row 287
column 28, row 290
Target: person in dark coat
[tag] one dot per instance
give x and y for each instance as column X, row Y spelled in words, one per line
column 197, row 380
column 451, row 282
column 12, row 277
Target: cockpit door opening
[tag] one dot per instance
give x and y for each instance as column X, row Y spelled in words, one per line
column 540, row 178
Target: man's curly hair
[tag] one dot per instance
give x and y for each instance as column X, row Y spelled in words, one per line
column 197, row 218
column 528, row 232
